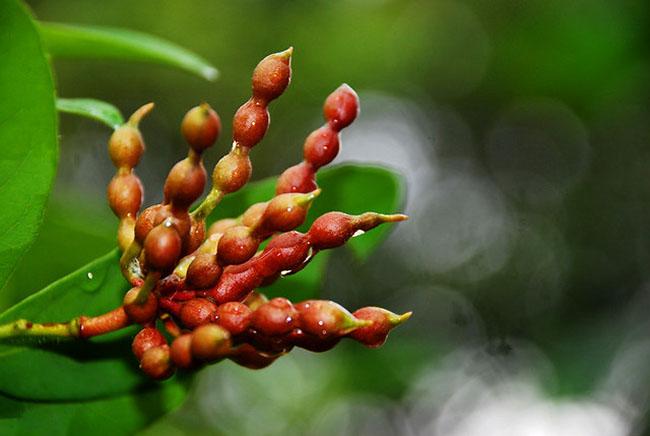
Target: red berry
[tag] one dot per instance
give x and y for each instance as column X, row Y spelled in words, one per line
column 146, row 338
column 247, row 356
column 125, row 194
column 162, row 247
column 321, row 146
column 277, row 317
column 185, row 183
column 341, row 107
column 210, row 342
column 204, row 271
column 272, row 75
column 298, row 178
column 201, row 127
column 221, row 226
column 326, row 319
column 250, row 123
column 126, row 146
column 141, row 313
column 234, row 317
column 181, row 351
column 156, row 363
column 232, row 171
column 383, row 321
column 236, row 246
column 197, row 312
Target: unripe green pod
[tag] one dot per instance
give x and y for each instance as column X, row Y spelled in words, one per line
column 275, row 318
column 298, row 178
column 185, row 183
column 203, row 272
column 125, row 194
column 200, row 127
column 141, row 313
column 272, row 75
column 197, row 312
column 126, row 146
column 181, row 351
column 250, row 123
column 236, row 246
column 341, row 107
column 234, row 317
column 156, row 363
column 210, row 342
column 162, row 247
column 383, row 321
column 326, row 319
column 146, row 338
column 232, row 171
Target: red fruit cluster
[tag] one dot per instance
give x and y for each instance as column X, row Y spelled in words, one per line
column 202, row 285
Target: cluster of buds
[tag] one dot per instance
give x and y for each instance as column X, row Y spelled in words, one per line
column 201, row 286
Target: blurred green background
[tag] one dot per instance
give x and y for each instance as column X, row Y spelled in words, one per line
column 521, row 128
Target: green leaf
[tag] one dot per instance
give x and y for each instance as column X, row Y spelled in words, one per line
column 94, row 42
column 28, row 134
column 103, row 366
column 117, row 415
column 90, row 108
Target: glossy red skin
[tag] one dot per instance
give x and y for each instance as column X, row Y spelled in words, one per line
column 125, row 194
column 200, row 127
column 203, row 272
column 268, row 344
column 162, row 248
column 253, row 215
column 185, row 183
column 321, row 146
column 140, row 313
column 247, row 356
column 331, row 230
column 274, row 318
column 168, row 285
column 284, row 252
column 312, row 343
column 236, row 246
column 126, row 147
column 341, row 107
column 234, row 317
column 221, row 226
column 156, row 363
column 271, row 77
column 374, row 335
column 250, row 123
column 146, row 338
column 298, row 178
column 108, row 322
column 181, row 351
column 197, row 312
column 321, row 318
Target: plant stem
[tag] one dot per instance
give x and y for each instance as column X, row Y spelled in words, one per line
column 22, row 327
column 207, row 205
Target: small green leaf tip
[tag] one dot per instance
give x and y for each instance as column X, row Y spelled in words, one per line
column 396, row 320
column 306, row 200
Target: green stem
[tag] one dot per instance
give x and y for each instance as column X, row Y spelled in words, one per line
column 129, row 265
column 22, row 327
column 207, row 205
column 149, row 283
